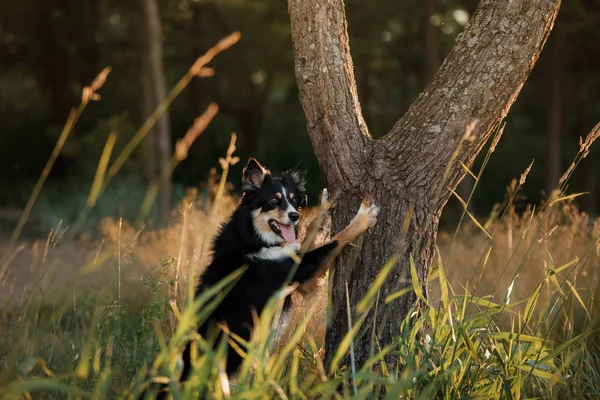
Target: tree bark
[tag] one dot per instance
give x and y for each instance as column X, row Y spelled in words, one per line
column 156, row 90
column 410, row 170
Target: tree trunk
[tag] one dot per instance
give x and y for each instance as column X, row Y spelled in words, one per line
column 410, row 170
column 553, row 144
column 147, row 106
column 155, row 88
column 53, row 61
column 83, row 18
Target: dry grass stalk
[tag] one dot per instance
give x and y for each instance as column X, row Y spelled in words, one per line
column 496, row 139
column 584, row 150
column 89, row 92
column 200, row 124
column 67, row 129
column 467, row 137
column 181, row 151
column 206, row 72
column 179, row 260
column 196, row 70
column 524, row 174
column 221, row 45
column 568, row 235
column 101, row 169
column 584, row 145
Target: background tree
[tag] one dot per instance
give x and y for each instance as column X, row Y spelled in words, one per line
column 410, row 170
column 153, row 78
column 257, row 93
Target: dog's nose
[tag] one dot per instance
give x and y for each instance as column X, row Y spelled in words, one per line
column 293, row 216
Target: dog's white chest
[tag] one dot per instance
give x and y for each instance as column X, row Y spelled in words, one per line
column 275, row 253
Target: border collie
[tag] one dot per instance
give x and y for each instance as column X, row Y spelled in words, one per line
column 262, row 235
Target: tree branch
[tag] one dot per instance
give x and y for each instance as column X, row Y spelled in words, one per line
column 479, row 81
column 328, row 94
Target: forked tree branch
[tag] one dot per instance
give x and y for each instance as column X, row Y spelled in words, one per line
column 410, row 170
column 478, row 81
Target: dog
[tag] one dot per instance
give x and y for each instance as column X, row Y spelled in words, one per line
column 262, row 234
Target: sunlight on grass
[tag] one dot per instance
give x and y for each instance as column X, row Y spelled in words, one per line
column 510, row 313
column 71, row 338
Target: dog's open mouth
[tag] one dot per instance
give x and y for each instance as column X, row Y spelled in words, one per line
column 287, row 232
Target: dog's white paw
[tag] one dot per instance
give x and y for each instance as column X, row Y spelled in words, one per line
column 367, row 214
column 373, row 213
column 324, row 197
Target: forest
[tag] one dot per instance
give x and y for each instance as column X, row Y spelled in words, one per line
column 50, row 50
column 126, row 128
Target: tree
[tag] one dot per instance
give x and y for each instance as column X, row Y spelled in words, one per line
column 53, row 59
column 409, row 171
column 153, row 78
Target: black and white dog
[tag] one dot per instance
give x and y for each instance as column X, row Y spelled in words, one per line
column 262, row 234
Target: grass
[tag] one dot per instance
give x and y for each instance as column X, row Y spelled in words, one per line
column 98, row 320
column 511, row 311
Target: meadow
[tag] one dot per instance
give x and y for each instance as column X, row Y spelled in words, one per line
column 512, row 313
column 511, row 303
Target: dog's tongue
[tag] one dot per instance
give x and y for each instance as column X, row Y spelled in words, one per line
column 288, row 233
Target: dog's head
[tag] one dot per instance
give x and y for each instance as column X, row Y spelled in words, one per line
column 274, row 202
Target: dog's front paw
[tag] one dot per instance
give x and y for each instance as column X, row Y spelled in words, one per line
column 324, row 198
column 366, row 217
column 367, row 213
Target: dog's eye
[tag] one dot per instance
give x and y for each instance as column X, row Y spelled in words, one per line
column 294, row 202
column 274, row 200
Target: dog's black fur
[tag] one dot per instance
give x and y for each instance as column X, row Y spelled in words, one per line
column 241, row 242
column 262, row 235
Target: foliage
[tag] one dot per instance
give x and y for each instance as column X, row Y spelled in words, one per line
column 49, row 50
column 108, row 343
column 112, row 327
column 511, row 313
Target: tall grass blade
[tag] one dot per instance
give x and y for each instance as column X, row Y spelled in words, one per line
column 579, row 299
column 416, row 283
column 352, row 358
column 101, row 169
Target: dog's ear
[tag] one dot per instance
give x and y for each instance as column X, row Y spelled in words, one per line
column 298, row 175
column 253, row 175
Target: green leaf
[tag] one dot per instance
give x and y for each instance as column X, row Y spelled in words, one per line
column 569, row 197
column 510, row 336
column 541, row 373
column 416, row 283
column 345, row 344
column 579, row 299
column 561, row 348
